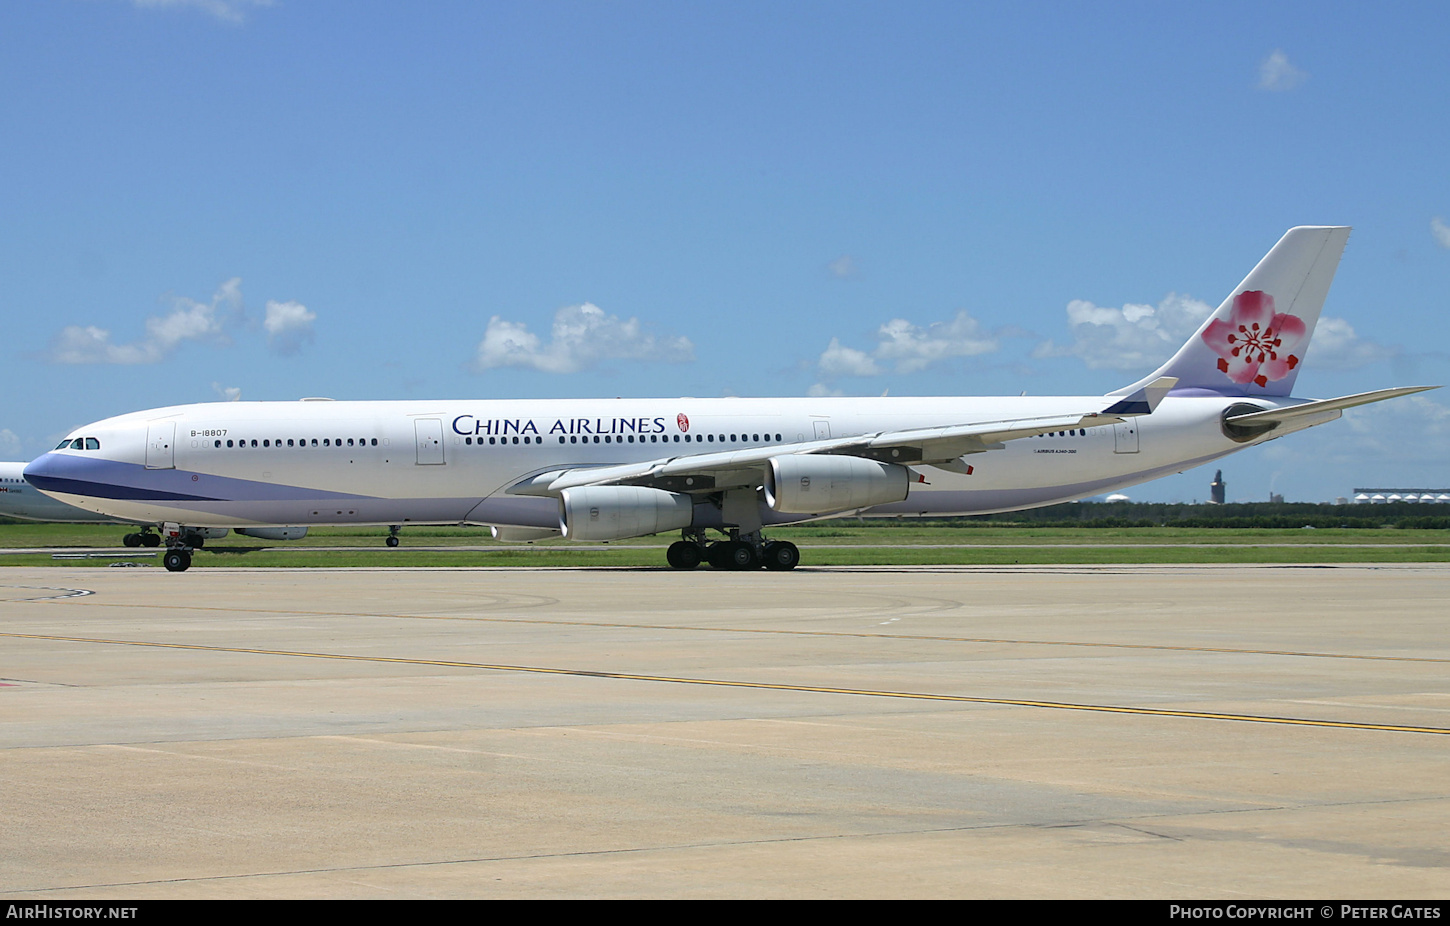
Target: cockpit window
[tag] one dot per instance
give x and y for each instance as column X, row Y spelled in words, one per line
column 78, row 444
column 92, row 444
column 63, row 444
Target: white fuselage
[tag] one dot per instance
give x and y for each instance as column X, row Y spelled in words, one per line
column 240, row 464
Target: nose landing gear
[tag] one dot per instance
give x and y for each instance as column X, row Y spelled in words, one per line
column 176, row 559
column 180, row 541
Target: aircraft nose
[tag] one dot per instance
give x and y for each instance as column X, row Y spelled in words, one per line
column 40, row 470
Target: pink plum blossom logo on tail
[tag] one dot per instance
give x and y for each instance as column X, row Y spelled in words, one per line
column 1256, row 345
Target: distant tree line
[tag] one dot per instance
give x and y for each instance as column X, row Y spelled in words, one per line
column 1403, row 515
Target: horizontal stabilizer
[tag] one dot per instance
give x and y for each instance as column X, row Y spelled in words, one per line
column 1289, row 413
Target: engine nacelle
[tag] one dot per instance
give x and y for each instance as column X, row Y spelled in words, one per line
column 617, row 512
column 507, row 534
column 207, row 533
column 805, row 483
column 273, row 533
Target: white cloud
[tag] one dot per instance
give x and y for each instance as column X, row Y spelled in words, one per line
column 1441, row 231
column 908, row 348
column 582, row 336
column 838, row 360
column 912, row 348
column 231, row 11
column 228, row 393
column 1336, row 346
column 1135, row 337
column 188, row 320
column 843, row 267
column 9, row 444
column 289, row 326
column 1277, row 74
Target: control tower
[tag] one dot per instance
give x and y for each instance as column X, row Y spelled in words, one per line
column 1217, row 488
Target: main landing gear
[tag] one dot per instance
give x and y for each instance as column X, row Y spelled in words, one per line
column 741, row 551
column 146, row 538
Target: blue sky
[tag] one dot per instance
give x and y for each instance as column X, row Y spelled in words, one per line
column 365, row 200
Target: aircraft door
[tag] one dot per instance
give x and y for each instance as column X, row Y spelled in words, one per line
column 1125, row 436
column 429, row 432
column 161, row 445
column 823, row 429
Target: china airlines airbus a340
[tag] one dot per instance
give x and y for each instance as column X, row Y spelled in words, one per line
column 607, row 469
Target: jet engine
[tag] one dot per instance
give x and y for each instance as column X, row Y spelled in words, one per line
column 617, row 512
column 803, row 483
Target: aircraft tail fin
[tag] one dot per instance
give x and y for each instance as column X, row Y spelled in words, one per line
column 1254, row 343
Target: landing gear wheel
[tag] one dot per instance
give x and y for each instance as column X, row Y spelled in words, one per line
column 132, row 540
column 176, row 560
column 150, row 540
column 195, row 541
column 734, row 554
column 683, row 554
column 391, row 541
column 781, row 554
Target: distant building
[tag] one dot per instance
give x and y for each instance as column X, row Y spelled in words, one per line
column 1217, row 488
column 1391, row 496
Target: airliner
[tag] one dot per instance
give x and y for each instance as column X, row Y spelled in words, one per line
column 610, row 469
column 20, row 500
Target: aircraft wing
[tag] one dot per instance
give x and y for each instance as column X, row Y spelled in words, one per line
column 710, row 471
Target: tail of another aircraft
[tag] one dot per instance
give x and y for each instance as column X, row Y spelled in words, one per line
column 1254, row 344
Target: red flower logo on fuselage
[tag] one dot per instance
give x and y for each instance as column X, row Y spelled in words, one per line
column 683, row 422
column 1256, row 345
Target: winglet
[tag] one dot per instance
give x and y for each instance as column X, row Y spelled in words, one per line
column 1143, row 401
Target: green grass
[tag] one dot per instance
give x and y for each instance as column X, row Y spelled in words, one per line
column 834, row 543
